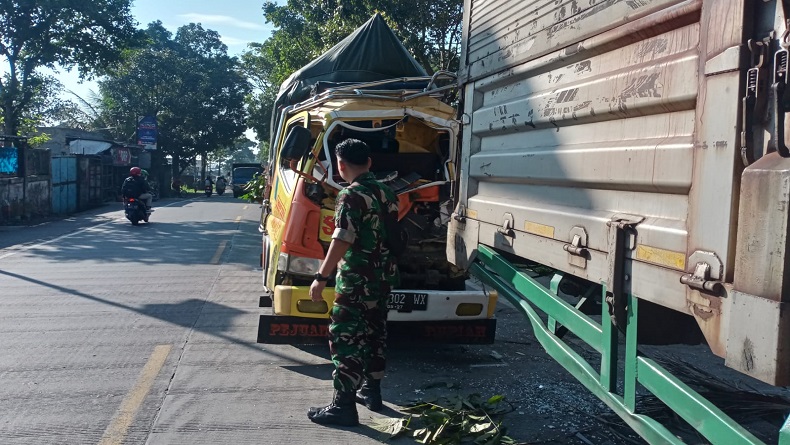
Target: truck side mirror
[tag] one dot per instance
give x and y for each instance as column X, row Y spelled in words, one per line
column 296, row 145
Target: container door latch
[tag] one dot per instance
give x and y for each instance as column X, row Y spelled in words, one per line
column 701, row 279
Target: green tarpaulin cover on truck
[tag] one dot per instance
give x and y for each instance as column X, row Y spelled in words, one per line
column 372, row 52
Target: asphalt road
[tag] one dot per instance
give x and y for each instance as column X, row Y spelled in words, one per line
column 114, row 334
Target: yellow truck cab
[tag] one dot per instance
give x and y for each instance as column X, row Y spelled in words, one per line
column 412, row 136
column 367, row 87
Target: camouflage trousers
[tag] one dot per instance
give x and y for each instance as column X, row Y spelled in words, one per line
column 357, row 340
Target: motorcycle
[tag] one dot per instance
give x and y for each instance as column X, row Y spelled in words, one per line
column 135, row 210
column 220, row 188
column 208, row 191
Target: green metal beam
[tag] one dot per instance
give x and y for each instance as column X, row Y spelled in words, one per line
column 570, row 317
column 524, row 292
column 703, row 416
column 784, row 433
column 646, row 427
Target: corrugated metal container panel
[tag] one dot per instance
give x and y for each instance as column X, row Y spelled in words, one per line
column 504, row 33
column 579, row 111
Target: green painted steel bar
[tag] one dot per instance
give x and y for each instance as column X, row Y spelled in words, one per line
column 570, row 317
column 629, row 381
column 784, row 433
column 699, row 412
column 646, row 427
column 703, row 416
column 609, row 351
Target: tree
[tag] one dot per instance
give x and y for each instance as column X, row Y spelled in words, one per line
column 88, row 34
column 189, row 83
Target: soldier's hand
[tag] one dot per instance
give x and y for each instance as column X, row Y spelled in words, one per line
column 316, row 289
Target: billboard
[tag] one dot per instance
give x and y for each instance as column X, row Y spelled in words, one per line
column 121, row 157
column 146, row 132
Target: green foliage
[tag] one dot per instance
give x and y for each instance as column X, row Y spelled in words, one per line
column 189, row 83
column 88, row 34
column 453, row 420
column 256, row 189
column 38, row 140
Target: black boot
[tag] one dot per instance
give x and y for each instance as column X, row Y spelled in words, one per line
column 342, row 411
column 370, row 394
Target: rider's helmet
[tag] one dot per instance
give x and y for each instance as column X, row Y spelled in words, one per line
column 144, row 173
column 135, row 171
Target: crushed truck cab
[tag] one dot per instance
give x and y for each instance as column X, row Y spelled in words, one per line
column 412, row 138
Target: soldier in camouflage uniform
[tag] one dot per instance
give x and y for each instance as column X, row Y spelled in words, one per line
column 366, row 271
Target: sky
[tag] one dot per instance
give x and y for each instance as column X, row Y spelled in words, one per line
column 238, row 22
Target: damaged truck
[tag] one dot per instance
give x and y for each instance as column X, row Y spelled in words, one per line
column 367, row 87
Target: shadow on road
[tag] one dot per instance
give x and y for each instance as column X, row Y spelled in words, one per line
column 185, row 313
column 187, row 243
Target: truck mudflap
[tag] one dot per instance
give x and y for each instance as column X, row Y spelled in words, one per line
column 286, row 329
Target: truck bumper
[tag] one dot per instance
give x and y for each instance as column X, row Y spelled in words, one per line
column 425, row 316
column 406, row 305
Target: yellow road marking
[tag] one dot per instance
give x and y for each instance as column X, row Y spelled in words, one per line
column 116, row 432
column 238, row 218
column 218, row 253
column 244, row 208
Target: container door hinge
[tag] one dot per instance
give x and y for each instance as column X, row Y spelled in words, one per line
column 751, row 101
column 620, row 231
column 778, row 88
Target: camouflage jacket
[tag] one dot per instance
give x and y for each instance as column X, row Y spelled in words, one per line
column 367, row 270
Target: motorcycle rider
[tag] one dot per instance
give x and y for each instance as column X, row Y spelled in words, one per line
column 135, row 186
column 221, row 183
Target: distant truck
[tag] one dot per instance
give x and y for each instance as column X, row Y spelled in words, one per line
column 243, row 173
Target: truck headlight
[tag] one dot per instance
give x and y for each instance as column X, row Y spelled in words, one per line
column 298, row 265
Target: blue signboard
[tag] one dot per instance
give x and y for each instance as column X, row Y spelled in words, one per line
column 146, row 130
column 9, row 160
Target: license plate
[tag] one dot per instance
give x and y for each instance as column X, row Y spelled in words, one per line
column 407, row 301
